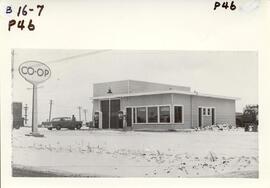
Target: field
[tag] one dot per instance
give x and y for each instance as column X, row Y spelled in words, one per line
column 111, row 153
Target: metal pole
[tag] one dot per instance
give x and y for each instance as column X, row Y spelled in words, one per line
column 34, row 110
column 50, row 110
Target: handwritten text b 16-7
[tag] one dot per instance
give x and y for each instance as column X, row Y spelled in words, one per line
column 23, row 11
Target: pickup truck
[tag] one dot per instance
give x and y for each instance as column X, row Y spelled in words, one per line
column 64, row 122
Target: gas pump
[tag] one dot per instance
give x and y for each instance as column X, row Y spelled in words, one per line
column 98, row 119
column 120, row 118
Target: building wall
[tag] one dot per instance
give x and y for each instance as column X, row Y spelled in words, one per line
column 132, row 86
column 162, row 99
column 119, row 87
column 225, row 109
column 140, row 87
column 185, row 101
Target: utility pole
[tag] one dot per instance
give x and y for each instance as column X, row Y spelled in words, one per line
column 50, row 113
column 25, row 114
column 80, row 112
column 85, row 114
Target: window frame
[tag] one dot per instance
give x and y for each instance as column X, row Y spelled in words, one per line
column 148, row 115
column 183, row 114
column 170, row 114
column 146, row 106
column 206, row 110
column 136, row 114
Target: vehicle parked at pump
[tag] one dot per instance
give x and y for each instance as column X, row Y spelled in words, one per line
column 64, row 122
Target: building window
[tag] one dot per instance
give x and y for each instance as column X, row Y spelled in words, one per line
column 152, row 115
column 178, row 114
column 204, row 111
column 208, row 111
column 164, row 114
column 141, row 115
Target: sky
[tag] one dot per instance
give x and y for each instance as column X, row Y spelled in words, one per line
column 227, row 73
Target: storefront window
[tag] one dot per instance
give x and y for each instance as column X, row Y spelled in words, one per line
column 141, row 115
column 178, row 114
column 152, row 115
column 164, row 116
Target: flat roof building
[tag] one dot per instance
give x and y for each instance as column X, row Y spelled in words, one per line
column 147, row 105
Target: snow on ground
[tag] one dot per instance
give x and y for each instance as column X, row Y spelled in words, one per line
column 139, row 154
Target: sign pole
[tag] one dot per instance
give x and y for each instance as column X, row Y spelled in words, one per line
column 34, row 114
column 34, row 110
column 35, row 73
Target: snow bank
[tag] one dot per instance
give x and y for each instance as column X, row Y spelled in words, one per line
column 138, row 154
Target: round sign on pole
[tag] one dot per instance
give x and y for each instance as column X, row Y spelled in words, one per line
column 34, row 72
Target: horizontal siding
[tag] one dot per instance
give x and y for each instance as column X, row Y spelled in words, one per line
column 161, row 99
column 140, row 86
column 225, row 109
column 119, row 87
column 185, row 101
column 132, row 86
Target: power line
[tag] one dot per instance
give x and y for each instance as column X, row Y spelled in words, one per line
column 66, row 58
column 76, row 56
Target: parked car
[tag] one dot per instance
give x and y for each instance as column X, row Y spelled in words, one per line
column 64, row 122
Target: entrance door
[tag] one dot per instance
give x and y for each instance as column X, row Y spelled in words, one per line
column 104, row 105
column 110, row 109
column 200, row 117
column 129, row 117
column 114, row 118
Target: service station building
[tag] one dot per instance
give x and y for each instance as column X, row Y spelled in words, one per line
column 148, row 106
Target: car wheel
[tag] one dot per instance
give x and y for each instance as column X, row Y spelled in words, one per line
column 58, row 127
column 78, row 126
column 50, row 128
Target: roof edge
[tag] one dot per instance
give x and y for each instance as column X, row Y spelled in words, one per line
column 165, row 92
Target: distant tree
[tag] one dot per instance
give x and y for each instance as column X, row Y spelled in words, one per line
column 251, row 109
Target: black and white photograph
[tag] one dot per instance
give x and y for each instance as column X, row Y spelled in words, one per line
column 122, row 93
column 134, row 113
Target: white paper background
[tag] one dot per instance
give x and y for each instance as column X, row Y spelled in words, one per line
column 150, row 24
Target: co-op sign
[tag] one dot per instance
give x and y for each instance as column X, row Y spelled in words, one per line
column 34, row 72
